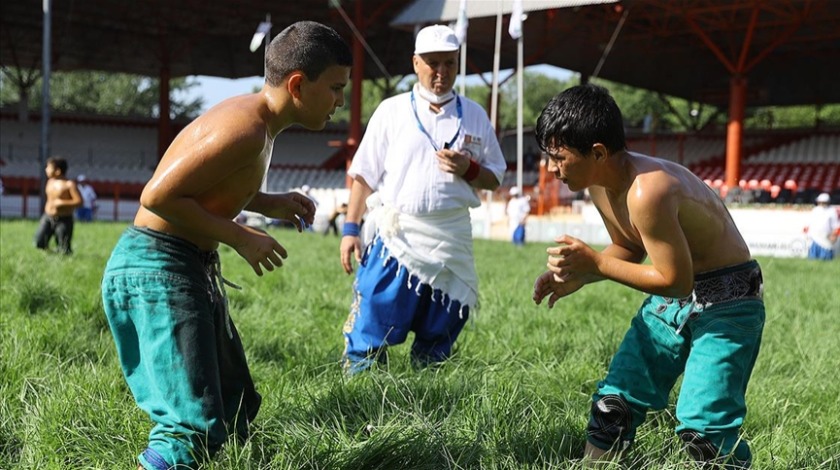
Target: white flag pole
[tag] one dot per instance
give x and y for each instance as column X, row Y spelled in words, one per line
column 515, row 30
column 463, row 87
column 519, row 74
column 461, row 31
column 263, row 35
column 494, row 93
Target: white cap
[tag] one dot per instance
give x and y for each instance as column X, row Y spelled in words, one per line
column 824, row 197
column 305, row 188
column 514, row 191
column 436, row 38
column 81, row 178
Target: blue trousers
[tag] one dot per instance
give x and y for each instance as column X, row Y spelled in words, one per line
column 815, row 251
column 387, row 304
column 84, row 214
column 519, row 235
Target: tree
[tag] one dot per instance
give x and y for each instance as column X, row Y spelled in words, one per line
column 680, row 115
column 94, row 92
column 642, row 109
column 538, row 89
column 373, row 92
column 777, row 117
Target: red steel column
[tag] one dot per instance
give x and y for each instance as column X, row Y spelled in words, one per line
column 543, row 177
column 735, row 130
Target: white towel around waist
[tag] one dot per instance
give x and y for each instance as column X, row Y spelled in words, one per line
column 435, row 248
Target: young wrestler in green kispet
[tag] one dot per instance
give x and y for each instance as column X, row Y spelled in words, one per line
column 704, row 316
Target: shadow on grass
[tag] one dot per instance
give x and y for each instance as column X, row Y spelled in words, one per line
column 542, row 447
column 435, row 421
column 35, row 298
column 415, row 448
column 11, row 448
column 289, row 353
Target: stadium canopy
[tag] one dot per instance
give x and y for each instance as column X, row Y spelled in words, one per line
column 732, row 53
column 789, row 50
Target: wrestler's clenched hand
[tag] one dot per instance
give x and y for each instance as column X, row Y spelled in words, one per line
column 292, row 207
column 572, row 260
column 453, row 162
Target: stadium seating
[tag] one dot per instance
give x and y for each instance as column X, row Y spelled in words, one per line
column 108, row 149
column 683, row 150
column 801, row 168
column 282, row 179
column 811, row 149
column 121, row 153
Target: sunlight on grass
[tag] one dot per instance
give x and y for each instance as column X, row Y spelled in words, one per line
column 515, row 394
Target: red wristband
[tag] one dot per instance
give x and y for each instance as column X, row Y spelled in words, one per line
column 472, row 172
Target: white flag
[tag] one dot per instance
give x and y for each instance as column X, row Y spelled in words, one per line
column 462, row 23
column 262, row 30
column 515, row 27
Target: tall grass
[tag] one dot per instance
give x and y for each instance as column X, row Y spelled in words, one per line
column 514, row 396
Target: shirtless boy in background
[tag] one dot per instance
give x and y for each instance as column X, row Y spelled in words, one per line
column 63, row 198
column 705, row 314
column 163, row 291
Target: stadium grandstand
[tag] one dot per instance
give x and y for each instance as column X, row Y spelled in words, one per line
column 118, row 156
column 801, row 164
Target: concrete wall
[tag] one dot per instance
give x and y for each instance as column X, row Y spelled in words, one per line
column 774, row 232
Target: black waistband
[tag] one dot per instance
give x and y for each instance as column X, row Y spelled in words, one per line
column 741, row 281
column 60, row 218
column 207, row 258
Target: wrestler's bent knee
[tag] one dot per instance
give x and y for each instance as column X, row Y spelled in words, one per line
column 707, row 455
column 610, row 421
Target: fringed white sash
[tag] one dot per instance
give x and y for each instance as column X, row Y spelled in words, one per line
column 436, row 249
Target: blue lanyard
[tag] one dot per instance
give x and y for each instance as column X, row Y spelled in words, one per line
column 423, row 129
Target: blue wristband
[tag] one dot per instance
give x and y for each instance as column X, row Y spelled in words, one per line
column 350, row 229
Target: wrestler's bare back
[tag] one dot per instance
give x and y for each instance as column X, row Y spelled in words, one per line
column 713, row 239
column 219, row 160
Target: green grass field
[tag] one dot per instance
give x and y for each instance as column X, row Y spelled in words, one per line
column 515, row 395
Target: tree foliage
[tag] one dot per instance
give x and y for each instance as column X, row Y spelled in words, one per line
column 133, row 95
column 94, row 92
column 373, row 92
column 537, row 88
column 668, row 113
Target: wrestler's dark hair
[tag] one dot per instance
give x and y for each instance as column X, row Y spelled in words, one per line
column 580, row 117
column 59, row 163
column 307, row 46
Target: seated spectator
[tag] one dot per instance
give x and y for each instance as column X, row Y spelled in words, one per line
column 775, row 192
column 734, row 196
column 763, row 192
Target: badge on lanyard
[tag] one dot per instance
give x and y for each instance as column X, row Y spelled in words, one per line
column 446, row 145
